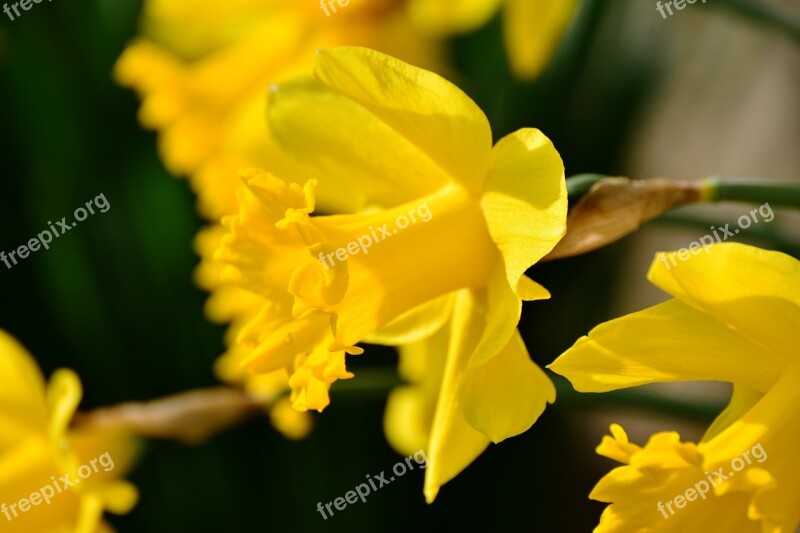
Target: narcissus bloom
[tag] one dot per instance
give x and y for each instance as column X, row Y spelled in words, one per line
column 532, row 28
column 41, row 459
column 452, row 218
column 736, row 318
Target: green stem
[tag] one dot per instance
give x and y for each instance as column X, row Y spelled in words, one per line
column 775, row 193
column 714, row 189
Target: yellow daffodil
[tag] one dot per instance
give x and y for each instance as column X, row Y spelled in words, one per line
column 454, row 225
column 735, row 318
column 52, row 478
column 532, row 28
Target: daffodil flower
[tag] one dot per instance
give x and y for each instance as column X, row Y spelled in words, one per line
column 411, row 138
column 532, row 28
column 40, row 454
column 734, row 318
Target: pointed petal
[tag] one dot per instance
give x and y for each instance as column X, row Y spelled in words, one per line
column 64, row 393
column 410, row 408
column 445, row 17
column 525, row 200
column 528, row 290
column 454, row 443
column 22, row 405
column 502, row 309
column 533, row 30
column 431, row 113
column 742, row 400
column 668, row 342
column 506, row 395
column 415, row 325
column 372, row 160
column 754, row 291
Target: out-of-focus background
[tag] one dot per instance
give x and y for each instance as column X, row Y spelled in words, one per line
column 710, row 90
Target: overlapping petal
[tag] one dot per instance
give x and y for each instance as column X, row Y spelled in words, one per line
column 668, row 342
column 436, row 117
column 754, row 291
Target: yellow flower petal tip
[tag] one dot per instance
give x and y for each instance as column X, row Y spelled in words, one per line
column 532, row 32
column 293, row 424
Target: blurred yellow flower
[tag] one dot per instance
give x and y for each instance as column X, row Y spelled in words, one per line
column 452, row 218
column 202, row 69
column 532, row 28
column 735, row 317
column 53, row 478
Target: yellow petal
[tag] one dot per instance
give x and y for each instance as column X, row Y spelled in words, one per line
column 118, row 497
column 64, row 393
column 742, row 400
column 445, row 17
column 25, row 469
column 502, row 309
column 642, row 496
column 506, row 395
column 533, row 30
column 89, row 514
column 293, row 424
column 525, row 200
column 410, row 408
column 22, row 405
column 372, row 160
column 528, row 290
column 436, row 116
column 617, row 446
column 668, row 342
column 415, row 325
column 754, row 291
column 112, row 454
column 770, row 431
column 454, row 443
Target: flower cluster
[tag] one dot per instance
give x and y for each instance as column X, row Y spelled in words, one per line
column 300, row 141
